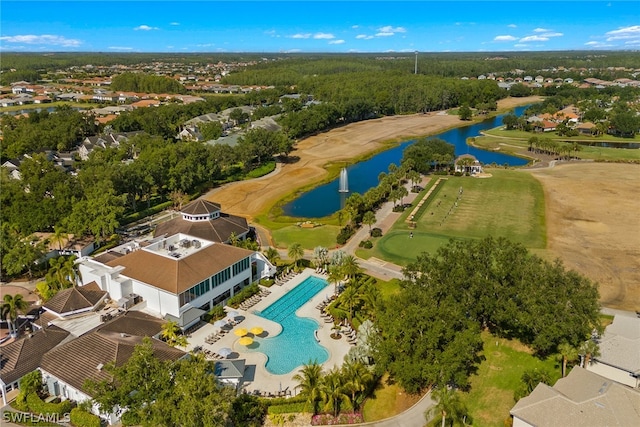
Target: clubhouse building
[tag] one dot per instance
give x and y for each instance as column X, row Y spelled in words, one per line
column 178, row 278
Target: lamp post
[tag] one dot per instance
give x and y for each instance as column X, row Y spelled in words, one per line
column 416, row 70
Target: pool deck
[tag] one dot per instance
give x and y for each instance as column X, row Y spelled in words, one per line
column 256, row 376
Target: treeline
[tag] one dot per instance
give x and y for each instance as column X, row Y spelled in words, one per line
column 146, row 83
column 430, row 331
column 61, row 130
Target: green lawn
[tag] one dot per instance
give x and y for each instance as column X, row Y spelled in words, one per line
column 499, row 131
column 509, row 204
column 516, row 140
column 309, row 238
column 491, row 395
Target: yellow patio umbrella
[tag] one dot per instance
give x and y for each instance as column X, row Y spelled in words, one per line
column 256, row 330
column 241, row 332
column 245, row 341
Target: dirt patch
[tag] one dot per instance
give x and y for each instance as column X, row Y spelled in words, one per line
column 592, row 225
column 251, row 198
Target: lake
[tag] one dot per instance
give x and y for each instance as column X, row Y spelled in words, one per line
column 325, row 199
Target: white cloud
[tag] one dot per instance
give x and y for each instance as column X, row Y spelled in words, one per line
column 323, row 36
column 631, row 42
column 512, row 26
column 292, row 51
column 301, row 36
column 46, row 39
column 552, row 34
column 364, row 37
column 355, row 27
column 624, row 33
column 145, row 28
column 597, row 44
column 336, row 42
column 520, row 45
column 388, row 30
column 120, row 48
column 174, row 23
column 534, row 39
column 505, row 38
column 541, row 30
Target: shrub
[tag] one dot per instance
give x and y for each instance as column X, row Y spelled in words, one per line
column 31, row 383
column 324, row 419
column 345, row 233
column 376, row 232
column 288, row 408
column 130, row 419
column 398, row 208
column 249, row 411
column 245, row 293
column 216, row 313
column 37, row 406
column 366, row 244
column 81, row 418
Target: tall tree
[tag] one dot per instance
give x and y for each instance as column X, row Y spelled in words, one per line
column 333, row 391
column 295, row 252
column 12, row 305
column 309, row 379
column 449, row 406
column 568, row 353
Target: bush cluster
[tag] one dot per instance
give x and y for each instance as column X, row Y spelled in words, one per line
column 245, row 293
column 366, row 244
column 376, row 232
column 345, row 233
column 38, row 406
column 81, row 418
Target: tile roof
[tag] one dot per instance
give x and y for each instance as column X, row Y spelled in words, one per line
column 76, row 298
column 215, row 230
column 134, row 323
column 581, row 399
column 200, row 207
column 178, row 275
column 24, row 355
column 620, row 344
column 84, row 358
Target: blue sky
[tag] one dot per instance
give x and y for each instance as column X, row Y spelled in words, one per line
column 317, row 26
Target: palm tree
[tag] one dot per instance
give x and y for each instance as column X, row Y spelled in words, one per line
column 295, row 252
column 357, row 379
column 233, row 239
column 309, row 380
column 589, row 349
column 369, row 218
column 350, row 267
column 171, row 334
column 320, row 254
column 568, row 353
column 333, row 391
column 272, row 255
column 351, row 297
column 449, row 405
column 11, row 306
column 59, row 236
column 335, row 276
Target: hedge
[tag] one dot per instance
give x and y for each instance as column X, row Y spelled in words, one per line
column 245, row 293
column 81, row 418
column 130, row 419
column 287, row 408
column 37, row 406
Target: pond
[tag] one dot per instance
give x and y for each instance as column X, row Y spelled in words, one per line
column 325, row 199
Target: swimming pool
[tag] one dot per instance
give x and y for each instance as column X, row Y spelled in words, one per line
column 296, row 344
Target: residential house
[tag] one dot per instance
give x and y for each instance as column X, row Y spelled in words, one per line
column 619, row 358
column 586, row 128
column 544, row 126
column 66, row 368
column 582, row 399
column 467, row 163
column 24, row 355
column 205, row 220
column 178, row 277
column 91, row 143
column 69, row 245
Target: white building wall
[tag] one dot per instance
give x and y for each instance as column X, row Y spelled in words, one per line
column 71, row 393
column 517, row 422
column 615, row 374
column 157, row 300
